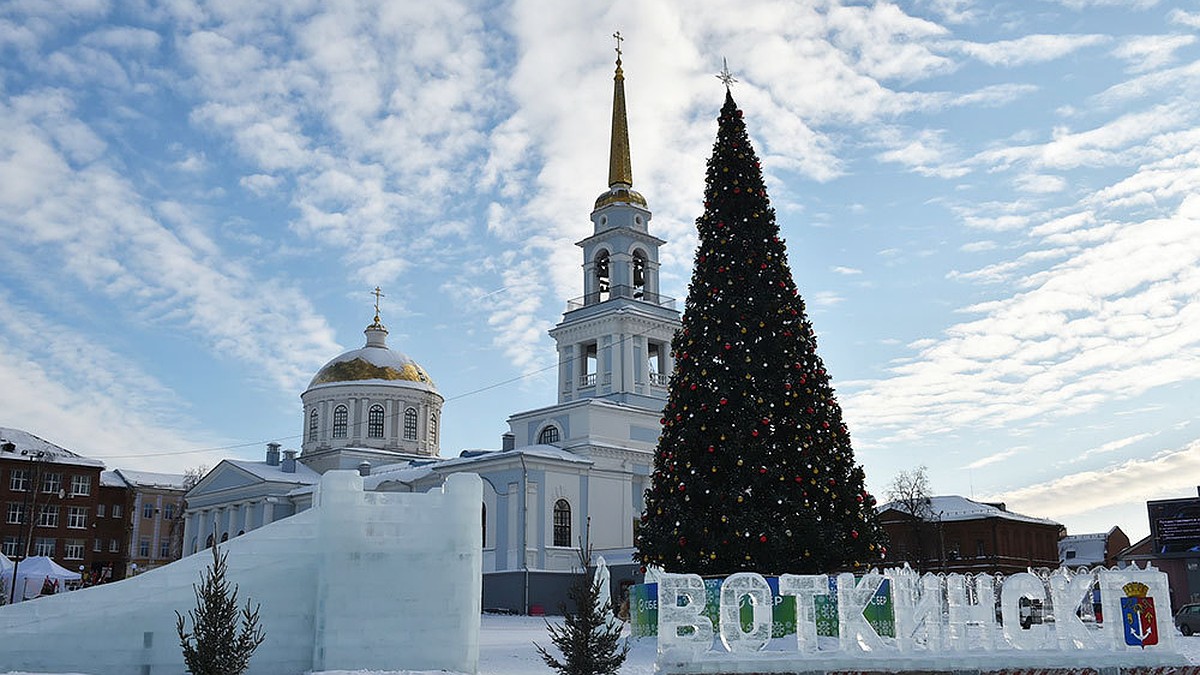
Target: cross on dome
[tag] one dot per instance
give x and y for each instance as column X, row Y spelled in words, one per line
column 378, row 293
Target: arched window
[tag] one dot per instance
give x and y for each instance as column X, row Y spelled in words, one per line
column 562, row 523
column 312, row 425
column 548, row 436
column 224, row 537
column 602, row 276
column 483, row 522
column 340, row 417
column 433, row 428
column 375, row 422
column 639, row 274
column 208, row 542
column 410, row 424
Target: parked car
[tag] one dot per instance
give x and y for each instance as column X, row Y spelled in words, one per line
column 1187, row 619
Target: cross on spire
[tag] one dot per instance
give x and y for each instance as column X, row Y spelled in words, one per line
column 378, row 293
column 619, row 39
column 726, row 76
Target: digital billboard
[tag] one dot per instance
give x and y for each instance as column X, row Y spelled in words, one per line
column 1175, row 525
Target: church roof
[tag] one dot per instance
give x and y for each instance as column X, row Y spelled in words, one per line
column 267, row 472
column 373, row 362
column 406, row 473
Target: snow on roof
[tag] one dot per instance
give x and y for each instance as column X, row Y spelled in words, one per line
column 112, row 479
column 29, row 444
column 149, row 479
column 303, row 474
column 408, row 473
column 950, row 508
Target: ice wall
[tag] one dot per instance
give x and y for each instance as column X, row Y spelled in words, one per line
column 363, row 580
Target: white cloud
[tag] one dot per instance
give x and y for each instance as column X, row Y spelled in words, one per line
column 75, row 207
column 1027, row 49
column 1150, row 52
column 848, row 271
column 1094, row 324
column 1130, row 483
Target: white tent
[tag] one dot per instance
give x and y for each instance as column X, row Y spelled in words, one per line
column 32, row 574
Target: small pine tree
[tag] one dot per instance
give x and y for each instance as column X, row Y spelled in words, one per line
column 589, row 638
column 754, row 470
column 215, row 647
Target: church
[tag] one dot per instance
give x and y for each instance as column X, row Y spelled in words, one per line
column 567, row 476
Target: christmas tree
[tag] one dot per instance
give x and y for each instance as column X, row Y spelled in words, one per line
column 215, row 646
column 754, row 469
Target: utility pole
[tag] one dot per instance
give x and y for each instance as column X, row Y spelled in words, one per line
column 28, row 507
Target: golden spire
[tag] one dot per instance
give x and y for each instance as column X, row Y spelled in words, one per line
column 619, row 170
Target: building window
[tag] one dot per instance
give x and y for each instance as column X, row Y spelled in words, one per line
column 48, row 517
column 12, row 546
column 44, row 546
column 81, row 486
column 99, row 510
column 548, row 436
column 410, row 424
column 432, row 429
column 164, row 549
column 483, row 522
column 77, row 517
column 168, row 511
column 375, row 422
column 73, row 549
column 562, row 523
column 147, row 510
column 312, row 425
column 18, row 480
column 341, row 416
column 16, row 511
column 144, row 547
column 97, row 545
column 52, row 482
column 116, row 511
column 114, row 546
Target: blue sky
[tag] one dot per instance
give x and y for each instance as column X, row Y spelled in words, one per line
column 989, row 207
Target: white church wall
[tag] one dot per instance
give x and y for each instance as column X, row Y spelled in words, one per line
column 341, row 582
column 610, row 511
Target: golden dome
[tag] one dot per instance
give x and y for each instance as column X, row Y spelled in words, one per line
column 620, row 195
column 353, row 366
column 373, row 362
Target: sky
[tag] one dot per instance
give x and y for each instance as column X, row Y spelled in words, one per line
column 989, row 209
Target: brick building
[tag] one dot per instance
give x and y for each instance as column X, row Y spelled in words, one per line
column 956, row 534
column 110, row 548
column 61, row 491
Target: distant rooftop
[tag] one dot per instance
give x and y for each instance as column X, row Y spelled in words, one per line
column 30, row 445
column 950, row 508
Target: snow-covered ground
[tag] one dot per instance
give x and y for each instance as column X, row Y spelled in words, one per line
column 506, row 648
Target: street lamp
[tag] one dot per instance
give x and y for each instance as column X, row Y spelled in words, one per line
column 26, row 531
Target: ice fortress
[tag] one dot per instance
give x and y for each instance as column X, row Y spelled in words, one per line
column 364, row 580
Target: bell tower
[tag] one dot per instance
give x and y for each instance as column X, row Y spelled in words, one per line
column 614, row 342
